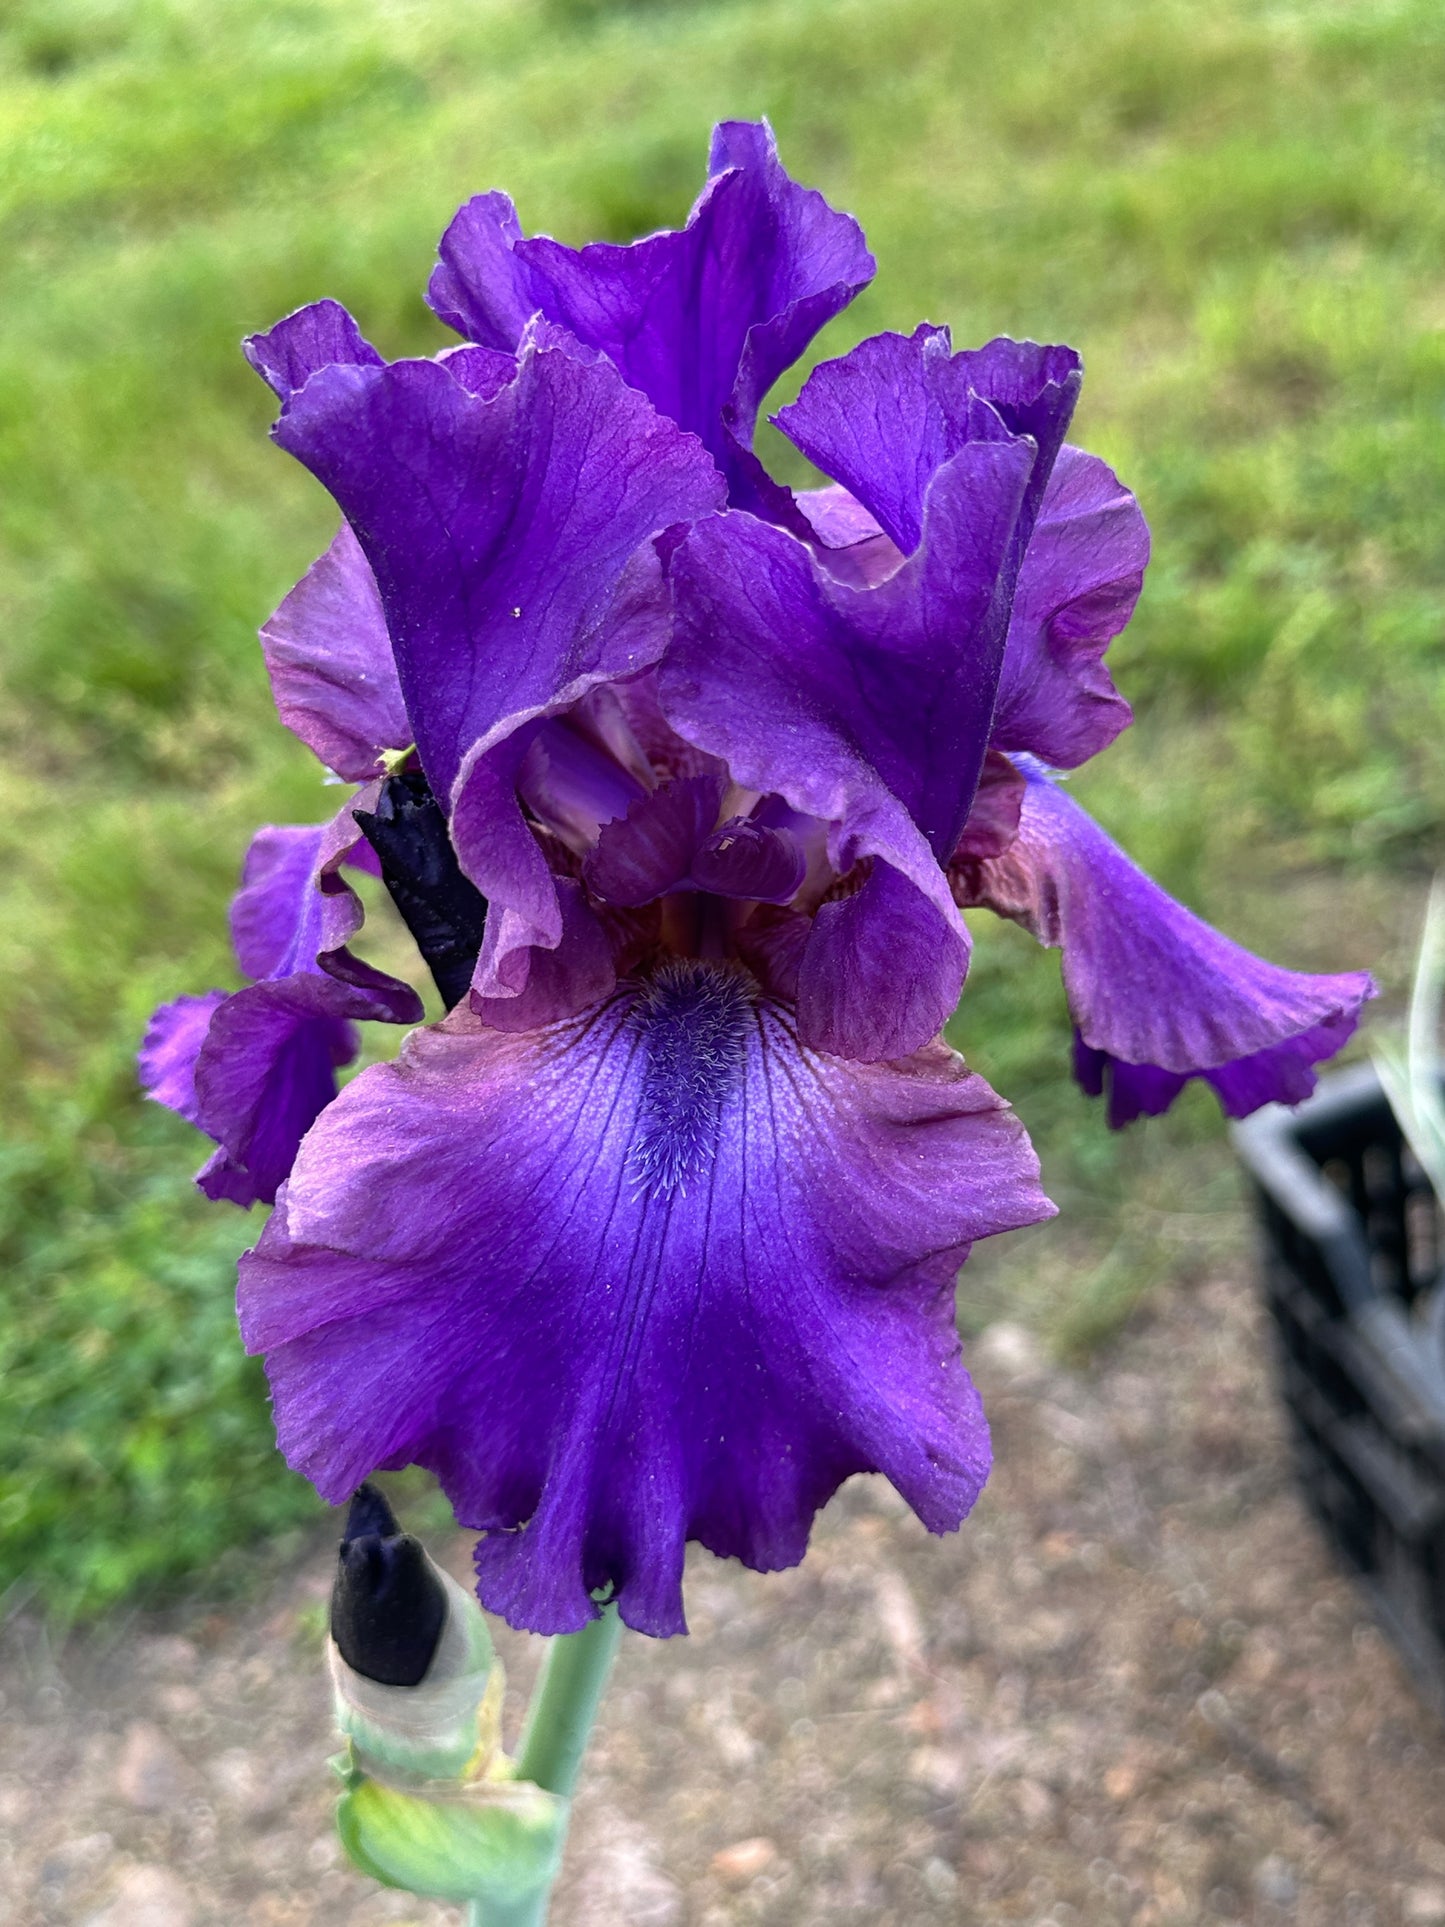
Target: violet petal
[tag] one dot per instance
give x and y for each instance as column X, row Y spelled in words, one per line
column 329, row 659
column 167, row 1057
column 867, row 709
column 1081, row 576
column 266, row 1071
column 746, row 859
column 573, row 784
column 296, row 912
column 886, row 417
column 881, row 970
column 993, row 822
column 649, row 1276
column 288, row 355
column 1154, row 991
column 506, row 533
column 804, row 682
column 702, row 319
column 570, row 976
column 651, row 849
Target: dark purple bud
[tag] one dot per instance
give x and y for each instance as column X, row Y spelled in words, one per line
column 443, row 910
column 388, row 1606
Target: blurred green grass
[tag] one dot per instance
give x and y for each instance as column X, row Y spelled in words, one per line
column 1238, row 219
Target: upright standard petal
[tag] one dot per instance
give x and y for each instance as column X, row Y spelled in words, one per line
column 1157, row 997
column 651, row 1275
column 703, row 319
column 867, row 708
column 1080, row 578
column 319, row 336
column 886, row 417
column 329, row 659
column 508, row 532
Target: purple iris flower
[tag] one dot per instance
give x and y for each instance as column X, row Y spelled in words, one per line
column 654, row 1237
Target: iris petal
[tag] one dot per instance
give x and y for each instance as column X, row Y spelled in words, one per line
column 1156, row 995
column 329, row 659
column 167, row 1058
column 500, row 597
column 316, row 337
column 651, row 849
column 1081, row 576
column 265, row 1072
column 254, row 1069
column 886, row 417
column 476, row 1267
column 702, row 319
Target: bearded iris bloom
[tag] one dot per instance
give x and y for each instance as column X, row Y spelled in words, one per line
column 654, row 1237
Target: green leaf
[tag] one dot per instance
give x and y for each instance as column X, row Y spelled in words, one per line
column 496, row 1840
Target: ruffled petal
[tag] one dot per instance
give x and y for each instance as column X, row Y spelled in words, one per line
column 265, row 1072
column 652, row 1275
column 318, row 336
column 866, row 708
column 1157, row 996
column 254, row 1070
column 295, row 912
column 1284, row 1074
column 746, row 859
column 329, row 659
column 560, row 980
column 1081, row 576
column 573, row 784
column 849, row 542
column 167, row 1057
column 508, row 533
column 886, row 417
column 993, row 822
column 857, row 706
column 651, row 849
column 703, row 319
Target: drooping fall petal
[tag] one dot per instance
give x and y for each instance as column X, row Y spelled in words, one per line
column 1157, row 996
column 654, row 1274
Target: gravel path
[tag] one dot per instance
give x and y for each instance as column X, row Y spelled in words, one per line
column 1132, row 1690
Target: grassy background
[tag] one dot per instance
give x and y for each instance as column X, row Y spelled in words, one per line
column 1236, row 215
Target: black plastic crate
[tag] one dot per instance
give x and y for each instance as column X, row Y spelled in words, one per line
column 1353, row 1254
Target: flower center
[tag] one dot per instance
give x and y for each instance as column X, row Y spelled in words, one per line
column 692, row 1021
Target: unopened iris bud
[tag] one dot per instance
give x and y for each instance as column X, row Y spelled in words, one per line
column 418, row 1690
column 431, row 1802
column 388, row 1604
column 443, row 910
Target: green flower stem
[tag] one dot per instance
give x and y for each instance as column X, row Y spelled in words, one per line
column 564, row 1705
column 525, row 1913
column 559, row 1725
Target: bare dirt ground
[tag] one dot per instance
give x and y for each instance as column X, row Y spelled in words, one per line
column 1133, row 1689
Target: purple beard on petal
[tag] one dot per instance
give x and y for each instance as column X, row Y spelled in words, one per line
column 692, row 1022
